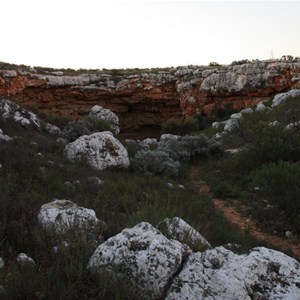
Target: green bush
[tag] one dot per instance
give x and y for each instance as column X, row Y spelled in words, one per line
column 180, row 127
column 279, row 183
column 57, row 120
column 85, row 126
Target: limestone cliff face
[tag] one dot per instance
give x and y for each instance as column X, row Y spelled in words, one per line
column 143, row 99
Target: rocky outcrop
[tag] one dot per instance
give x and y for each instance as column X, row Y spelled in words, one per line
column 221, row 274
column 143, row 99
column 165, row 268
column 100, row 150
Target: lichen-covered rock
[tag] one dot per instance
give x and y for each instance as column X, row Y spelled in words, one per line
column 100, row 150
column 180, row 230
column 149, row 257
column 23, row 259
column 107, row 115
column 221, row 274
column 11, row 110
column 62, row 215
column 282, row 97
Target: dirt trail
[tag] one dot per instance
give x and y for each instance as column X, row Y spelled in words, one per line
column 233, row 215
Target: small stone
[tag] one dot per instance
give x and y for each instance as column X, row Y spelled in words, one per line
column 23, row 259
column 180, row 186
column 170, row 185
column 288, row 235
column 1, row 263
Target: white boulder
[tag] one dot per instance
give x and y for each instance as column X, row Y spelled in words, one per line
column 282, row 97
column 180, row 230
column 100, row 150
column 149, row 257
column 221, row 274
column 23, row 259
column 231, row 124
column 11, row 110
column 107, row 115
column 4, row 137
column 62, row 215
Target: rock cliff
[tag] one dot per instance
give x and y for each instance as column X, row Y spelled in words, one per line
column 143, row 99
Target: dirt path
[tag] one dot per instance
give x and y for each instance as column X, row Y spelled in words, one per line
column 233, row 215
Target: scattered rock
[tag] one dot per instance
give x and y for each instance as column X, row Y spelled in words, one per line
column 4, row 137
column 62, row 215
column 288, row 235
column 274, row 123
column 95, row 180
column 260, row 107
column 180, row 186
column 280, row 98
column 107, row 115
column 179, row 230
column 248, row 110
column 1, row 263
column 11, row 110
column 231, row 125
column 167, row 139
column 52, row 129
column 170, row 185
column 23, row 260
column 222, row 274
column 100, row 150
column 61, row 246
column 148, row 256
column 146, row 143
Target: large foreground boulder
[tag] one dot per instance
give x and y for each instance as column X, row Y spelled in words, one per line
column 150, row 258
column 100, row 150
column 62, row 215
column 221, row 274
column 165, row 268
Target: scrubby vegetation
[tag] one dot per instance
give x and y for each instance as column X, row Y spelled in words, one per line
column 34, row 172
column 265, row 174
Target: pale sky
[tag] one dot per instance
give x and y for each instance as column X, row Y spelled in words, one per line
column 98, row 34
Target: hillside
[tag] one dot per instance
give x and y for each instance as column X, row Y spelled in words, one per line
column 86, row 214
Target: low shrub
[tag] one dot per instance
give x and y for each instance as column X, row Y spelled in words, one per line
column 57, row 120
column 155, row 162
column 180, row 127
column 191, row 146
column 85, row 126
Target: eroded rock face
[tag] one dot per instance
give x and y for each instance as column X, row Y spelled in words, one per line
column 144, row 99
column 221, row 274
column 100, row 150
column 150, row 258
column 62, row 215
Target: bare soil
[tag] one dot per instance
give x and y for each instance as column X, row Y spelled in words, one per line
column 235, row 213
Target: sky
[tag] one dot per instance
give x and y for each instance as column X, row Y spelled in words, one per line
column 96, row 34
